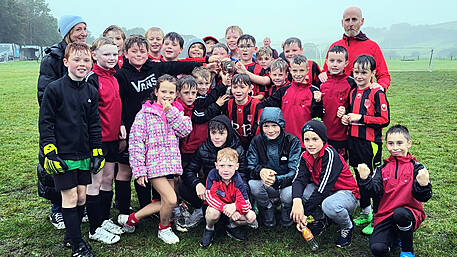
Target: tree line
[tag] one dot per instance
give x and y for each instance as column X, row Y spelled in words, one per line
column 27, row 22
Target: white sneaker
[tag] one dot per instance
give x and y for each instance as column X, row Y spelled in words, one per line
column 168, row 236
column 109, row 226
column 104, row 236
column 122, row 220
column 57, row 220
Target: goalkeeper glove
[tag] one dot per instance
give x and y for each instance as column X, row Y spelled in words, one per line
column 53, row 164
column 97, row 161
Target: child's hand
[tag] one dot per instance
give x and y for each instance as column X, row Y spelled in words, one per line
column 235, row 216
column 222, row 99
column 214, row 59
column 213, row 67
column 341, row 112
column 323, row 77
column 200, row 190
column 297, row 214
column 423, row 177
column 267, row 176
column 240, row 68
column 354, row 117
column 166, row 105
column 302, row 224
column 345, row 120
column 142, row 181
column 122, row 132
column 317, row 96
column 375, row 85
column 229, row 209
column 363, row 170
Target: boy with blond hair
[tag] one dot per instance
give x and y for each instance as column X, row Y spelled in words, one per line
column 227, row 194
column 154, row 36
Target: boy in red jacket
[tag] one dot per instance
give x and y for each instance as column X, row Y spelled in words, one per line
column 295, row 99
column 227, row 194
column 402, row 183
column 334, row 93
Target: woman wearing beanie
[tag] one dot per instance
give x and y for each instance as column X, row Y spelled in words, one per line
column 323, row 186
column 73, row 29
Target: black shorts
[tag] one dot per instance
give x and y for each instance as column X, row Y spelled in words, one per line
column 111, row 151
column 341, row 147
column 363, row 151
column 124, row 157
column 71, row 179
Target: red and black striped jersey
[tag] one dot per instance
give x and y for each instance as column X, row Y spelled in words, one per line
column 373, row 106
column 257, row 70
column 244, row 118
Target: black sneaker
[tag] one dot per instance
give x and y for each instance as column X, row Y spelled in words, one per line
column 237, row 233
column 56, row 219
column 269, row 219
column 67, row 243
column 207, row 239
column 83, row 250
column 345, row 237
column 318, row 226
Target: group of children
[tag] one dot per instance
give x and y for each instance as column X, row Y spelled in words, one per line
column 231, row 134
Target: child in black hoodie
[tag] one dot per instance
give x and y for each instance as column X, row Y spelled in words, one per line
column 220, row 135
column 137, row 79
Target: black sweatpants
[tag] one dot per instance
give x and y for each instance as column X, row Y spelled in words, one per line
column 398, row 227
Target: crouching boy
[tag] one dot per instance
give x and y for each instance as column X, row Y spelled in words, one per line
column 402, row 183
column 324, row 186
column 272, row 160
column 226, row 193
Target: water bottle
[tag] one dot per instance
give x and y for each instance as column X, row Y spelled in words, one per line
column 312, row 242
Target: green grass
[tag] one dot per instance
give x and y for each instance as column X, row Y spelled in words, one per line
column 423, row 101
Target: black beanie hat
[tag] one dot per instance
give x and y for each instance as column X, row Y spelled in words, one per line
column 317, row 127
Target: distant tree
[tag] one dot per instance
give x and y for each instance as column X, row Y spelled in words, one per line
column 132, row 31
column 27, row 22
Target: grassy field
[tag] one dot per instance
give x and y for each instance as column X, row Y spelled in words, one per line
column 423, row 101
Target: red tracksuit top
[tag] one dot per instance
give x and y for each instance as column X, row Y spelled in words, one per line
column 359, row 45
column 397, row 181
column 345, row 180
column 335, row 93
column 373, row 105
column 296, row 107
column 218, row 193
column 109, row 101
column 198, row 135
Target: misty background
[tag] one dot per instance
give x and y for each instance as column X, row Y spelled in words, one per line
column 403, row 29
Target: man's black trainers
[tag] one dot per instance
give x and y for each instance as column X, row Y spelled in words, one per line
column 207, row 239
column 83, row 250
column 237, row 233
column 318, row 226
column 345, row 237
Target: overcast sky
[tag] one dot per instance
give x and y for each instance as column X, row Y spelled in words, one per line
column 311, row 21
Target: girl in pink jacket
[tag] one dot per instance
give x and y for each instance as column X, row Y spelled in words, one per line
column 154, row 154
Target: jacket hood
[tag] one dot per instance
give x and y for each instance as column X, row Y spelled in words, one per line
column 57, row 50
column 190, row 43
column 272, row 114
column 232, row 139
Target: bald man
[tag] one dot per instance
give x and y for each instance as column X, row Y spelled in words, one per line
column 266, row 43
column 357, row 44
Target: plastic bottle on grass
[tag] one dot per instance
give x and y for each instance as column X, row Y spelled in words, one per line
column 309, row 237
